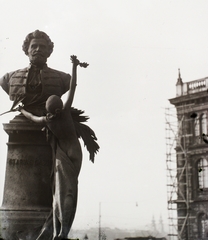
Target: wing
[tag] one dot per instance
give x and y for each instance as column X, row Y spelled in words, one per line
column 76, row 115
column 86, row 133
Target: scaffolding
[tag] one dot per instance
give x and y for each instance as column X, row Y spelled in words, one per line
column 178, row 175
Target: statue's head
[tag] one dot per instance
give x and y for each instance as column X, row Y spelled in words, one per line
column 38, row 47
column 54, row 105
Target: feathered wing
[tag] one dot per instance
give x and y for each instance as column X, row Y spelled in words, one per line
column 76, row 115
column 85, row 132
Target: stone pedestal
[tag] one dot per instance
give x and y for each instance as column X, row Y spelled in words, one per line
column 27, row 192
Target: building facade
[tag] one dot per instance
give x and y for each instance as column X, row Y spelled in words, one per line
column 188, row 179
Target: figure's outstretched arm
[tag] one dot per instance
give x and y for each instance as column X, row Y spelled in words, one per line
column 73, row 82
column 32, row 117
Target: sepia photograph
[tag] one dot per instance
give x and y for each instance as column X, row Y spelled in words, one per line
column 104, row 120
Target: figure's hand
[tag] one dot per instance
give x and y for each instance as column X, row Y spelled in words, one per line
column 19, row 108
column 77, row 62
column 74, row 60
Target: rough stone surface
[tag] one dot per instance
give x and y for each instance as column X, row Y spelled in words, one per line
column 27, row 191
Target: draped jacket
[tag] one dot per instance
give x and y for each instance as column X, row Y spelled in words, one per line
column 53, row 82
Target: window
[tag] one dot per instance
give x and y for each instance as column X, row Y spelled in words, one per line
column 197, row 138
column 196, row 127
column 200, row 127
column 203, row 173
column 204, row 123
column 203, row 225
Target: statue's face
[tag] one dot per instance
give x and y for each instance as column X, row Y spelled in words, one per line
column 38, row 51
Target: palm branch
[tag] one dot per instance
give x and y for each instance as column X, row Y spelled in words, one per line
column 85, row 132
column 18, row 99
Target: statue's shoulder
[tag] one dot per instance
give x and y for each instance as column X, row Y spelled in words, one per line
column 8, row 78
column 21, row 71
column 26, row 69
column 52, row 71
column 53, row 75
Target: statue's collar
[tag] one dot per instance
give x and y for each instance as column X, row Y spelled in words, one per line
column 34, row 67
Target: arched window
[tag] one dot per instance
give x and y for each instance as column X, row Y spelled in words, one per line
column 204, row 123
column 203, row 225
column 203, row 173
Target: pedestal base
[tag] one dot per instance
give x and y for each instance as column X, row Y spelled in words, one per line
column 27, row 196
column 13, row 222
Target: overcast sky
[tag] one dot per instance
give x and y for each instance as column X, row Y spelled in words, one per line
column 134, row 48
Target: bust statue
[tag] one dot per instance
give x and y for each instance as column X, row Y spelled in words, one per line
column 35, row 83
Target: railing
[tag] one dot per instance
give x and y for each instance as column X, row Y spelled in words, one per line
column 197, row 85
column 192, row 87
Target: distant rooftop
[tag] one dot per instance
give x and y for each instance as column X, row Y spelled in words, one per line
column 185, row 88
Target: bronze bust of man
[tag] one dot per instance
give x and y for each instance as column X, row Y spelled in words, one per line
column 34, row 84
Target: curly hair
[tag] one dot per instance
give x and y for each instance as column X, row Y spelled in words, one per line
column 37, row 34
